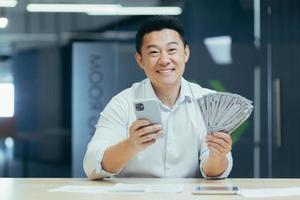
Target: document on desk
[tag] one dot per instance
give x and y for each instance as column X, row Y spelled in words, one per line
column 154, row 188
column 81, row 189
column 122, row 187
column 270, row 192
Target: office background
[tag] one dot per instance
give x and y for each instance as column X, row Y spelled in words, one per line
column 59, row 69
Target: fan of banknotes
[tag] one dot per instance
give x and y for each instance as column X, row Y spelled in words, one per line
column 224, row 112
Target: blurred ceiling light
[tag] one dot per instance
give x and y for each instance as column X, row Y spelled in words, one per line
column 104, row 9
column 220, row 49
column 9, row 143
column 3, row 22
column 8, row 3
column 80, row 8
column 141, row 11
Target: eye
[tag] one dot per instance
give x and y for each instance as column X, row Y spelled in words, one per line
column 153, row 53
column 172, row 51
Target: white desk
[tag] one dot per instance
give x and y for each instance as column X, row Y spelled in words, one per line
column 37, row 188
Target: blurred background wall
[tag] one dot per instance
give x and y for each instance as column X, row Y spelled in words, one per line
column 59, row 68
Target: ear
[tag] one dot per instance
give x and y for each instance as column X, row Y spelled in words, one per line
column 186, row 53
column 139, row 60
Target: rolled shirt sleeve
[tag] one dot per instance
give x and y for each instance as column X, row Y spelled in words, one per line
column 110, row 129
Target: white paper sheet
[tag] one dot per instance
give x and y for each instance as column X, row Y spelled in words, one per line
column 271, row 192
column 82, row 189
column 161, row 188
column 121, row 187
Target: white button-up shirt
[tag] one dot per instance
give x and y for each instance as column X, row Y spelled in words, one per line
column 182, row 150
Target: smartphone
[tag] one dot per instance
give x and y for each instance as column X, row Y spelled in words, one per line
column 148, row 109
column 234, row 190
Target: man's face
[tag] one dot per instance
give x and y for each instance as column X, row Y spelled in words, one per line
column 163, row 57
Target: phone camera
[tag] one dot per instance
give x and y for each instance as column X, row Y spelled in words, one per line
column 139, row 106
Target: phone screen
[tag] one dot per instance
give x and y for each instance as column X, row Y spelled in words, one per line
column 217, row 188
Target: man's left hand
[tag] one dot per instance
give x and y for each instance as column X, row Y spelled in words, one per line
column 219, row 144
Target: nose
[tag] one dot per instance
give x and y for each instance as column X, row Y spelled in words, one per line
column 164, row 59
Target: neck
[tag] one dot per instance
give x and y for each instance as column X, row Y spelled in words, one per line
column 168, row 94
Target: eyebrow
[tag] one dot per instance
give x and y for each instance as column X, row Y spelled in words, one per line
column 173, row 43
column 155, row 46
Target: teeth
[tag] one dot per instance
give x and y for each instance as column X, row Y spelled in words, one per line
column 165, row 71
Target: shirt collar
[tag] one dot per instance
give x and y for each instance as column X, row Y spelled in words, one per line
column 185, row 91
column 149, row 91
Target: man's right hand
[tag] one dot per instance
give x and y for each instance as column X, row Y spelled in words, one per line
column 143, row 134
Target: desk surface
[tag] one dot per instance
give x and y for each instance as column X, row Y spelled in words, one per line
column 37, row 188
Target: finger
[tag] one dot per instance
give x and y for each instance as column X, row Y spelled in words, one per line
column 225, row 146
column 149, row 129
column 146, row 144
column 147, row 138
column 215, row 150
column 159, row 133
column 225, row 136
column 218, row 147
column 137, row 124
column 218, row 141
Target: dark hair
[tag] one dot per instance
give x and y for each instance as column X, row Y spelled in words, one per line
column 158, row 23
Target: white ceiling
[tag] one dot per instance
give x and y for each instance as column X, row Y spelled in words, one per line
column 29, row 29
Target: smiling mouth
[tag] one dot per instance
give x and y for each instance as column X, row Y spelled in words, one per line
column 165, row 70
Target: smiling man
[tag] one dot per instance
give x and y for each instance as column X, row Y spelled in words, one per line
column 124, row 146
